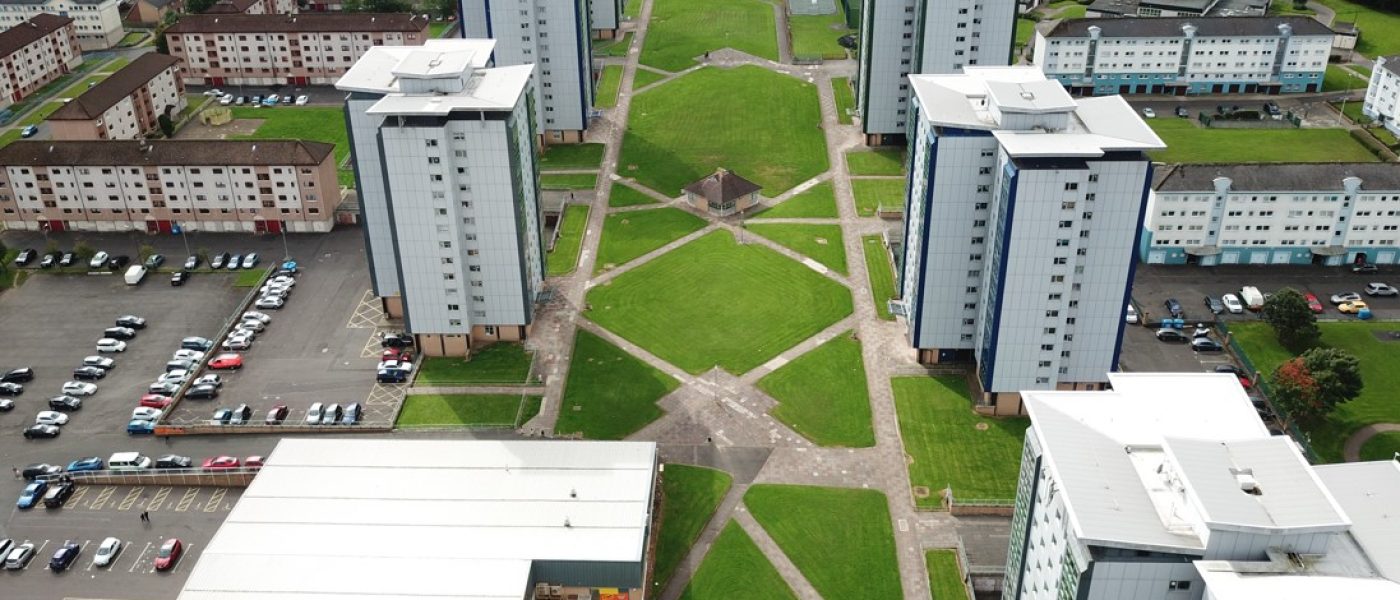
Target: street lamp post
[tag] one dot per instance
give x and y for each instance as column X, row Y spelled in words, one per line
column 184, row 239
column 286, row 253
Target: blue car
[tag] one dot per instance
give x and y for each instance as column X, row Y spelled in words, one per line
column 32, row 494
column 29, row 132
column 140, row 427
column 91, row 463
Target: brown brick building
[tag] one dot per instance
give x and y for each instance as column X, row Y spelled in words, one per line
column 308, row 49
column 125, row 106
column 202, row 185
column 34, row 53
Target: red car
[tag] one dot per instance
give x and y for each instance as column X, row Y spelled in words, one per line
column 155, row 401
column 1313, row 303
column 231, row 361
column 221, row 463
column 254, row 462
column 169, row 554
column 276, row 415
column 401, row 354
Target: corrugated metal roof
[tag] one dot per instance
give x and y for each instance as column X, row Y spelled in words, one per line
column 1289, row 496
column 1369, row 493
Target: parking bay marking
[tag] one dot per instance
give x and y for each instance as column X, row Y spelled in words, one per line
column 138, row 558
column 131, row 497
column 187, row 499
column 214, row 500
column 158, row 499
column 102, row 497
column 76, row 497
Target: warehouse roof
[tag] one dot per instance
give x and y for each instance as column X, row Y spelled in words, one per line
column 1304, row 177
column 1171, row 26
column 30, row 31
column 96, row 100
column 449, row 519
column 299, row 23
column 37, row 153
column 1368, row 492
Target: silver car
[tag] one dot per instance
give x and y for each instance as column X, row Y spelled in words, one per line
column 106, row 552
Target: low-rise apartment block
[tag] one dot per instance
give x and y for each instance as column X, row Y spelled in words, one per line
column 1170, row 487
column 98, row 23
column 1177, row 8
column 445, row 152
column 197, row 185
column 253, row 7
column 152, row 12
column 1383, row 93
column 305, row 49
column 1186, row 56
column 125, row 106
column 34, row 53
column 1278, row 214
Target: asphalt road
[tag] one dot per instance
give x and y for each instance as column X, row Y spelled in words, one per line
column 1191, row 284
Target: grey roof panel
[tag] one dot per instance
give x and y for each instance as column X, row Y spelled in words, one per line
column 1369, row 493
column 1289, row 496
column 1305, row 177
column 1171, row 27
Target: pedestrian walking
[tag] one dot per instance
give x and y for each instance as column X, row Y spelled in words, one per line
column 707, row 55
column 145, row 516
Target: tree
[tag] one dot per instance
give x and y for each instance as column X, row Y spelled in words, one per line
column 1309, row 387
column 1294, row 323
column 144, row 252
column 198, row 6
column 170, row 18
column 376, row 6
column 83, row 250
column 442, row 8
column 167, row 126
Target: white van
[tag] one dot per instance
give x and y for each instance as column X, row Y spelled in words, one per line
column 135, row 274
column 128, row 461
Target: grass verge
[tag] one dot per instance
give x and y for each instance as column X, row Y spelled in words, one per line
column 629, row 235
column 608, row 84
column 822, row 243
column 572, row 156
column 822, row 395
column 815, row 35
column 1187, row 143
column 690, row 496
column 841, row 539
column 883, row 161
column 871, row 194
column 484, row 410
column 845, row 99
column 881, row 273
column 563, row 259
column 622, row 195
column 945, row 580
column 736, row 568
column 568, row 181
column 609, row 394
column 818, row 202
column 951, row 445
column 501, row 363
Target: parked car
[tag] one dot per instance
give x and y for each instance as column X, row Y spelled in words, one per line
column 196, row 343
column 179, row 364
column 6, row 405
column 68, row 259
column 25, row 257
column 88, row 463
column 37, row 470
column 1149, row 113
column 202, row 392
column 100, row 362
column 146, row 413
column 131, row 321
column 1341, row 297
column 154, row 261
column 234, row 261
column 352, row 414
column 1182, row 112
column 11, row 389
column 119, row 333
column 1214, row 306
column 164, row 388
column 20, row 375
column 313, row 414
column 226, row 100
column 50, row 417
column 395, row 340
column 118, row 262
column 49, row 260
column 217, row 261
column 29, row 131
column 272, row 99
column 107, row 551
column 222, row 416
column 187, row 354
column 1171, row 335
column 255, row 315
column 238, row 342
column 221, row 463
column 229, row 361
column 283, row 280
column 332, row 414
column 179, row 278
column 1205, row 344
column 242, row 414
column 252, row 325
column 302, row 100
column 65, row 402
column 79, row 388
column 19, row 557
column 1352, row 307
column 1380, row 289
column 209, row 379
column 191, row 262
column 32, row 494
column 391, row 376
column 89, row 373
column 276, row 415
column 270, row 303
column 98, row 260
column 1313, row 304
column 177, row 377
column 110, row 345
column 250, row 260
column 1174, row 308
column 65, row 555
column 169, row 554
column 157, row 401
column 1365, row 268
column 140, row 427
column 173, row 461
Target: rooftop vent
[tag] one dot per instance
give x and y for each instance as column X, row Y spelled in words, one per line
column 1027, row 95
column 1248, row 484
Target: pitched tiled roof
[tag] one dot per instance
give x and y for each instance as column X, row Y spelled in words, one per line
column 37, row 153
column 1171, row 27
column 1302, row 177
column 30, row 31
column 299, row 23
column 723, row 186
column 92, row 103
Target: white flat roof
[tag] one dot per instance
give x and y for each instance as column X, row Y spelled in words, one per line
column 1290, row 497
column 1029, row 96
column 375, row 73
column 1369, row 493
column 428, row 63
column 1223, row 583
column 449, row 519
column 488, row 89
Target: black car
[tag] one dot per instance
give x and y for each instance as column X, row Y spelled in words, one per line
column 154, row 261
column 173, row 461
column 65, row 403
column 131, row 321
column 89, row 373
column 66, row 554
column 395, row 340
column 119, row 333
column 49, row 260
column 19, row 375
column 1205, row 344
column 217, row 261
column 67, row 259
column 118, row 262
column 1172, row 335
column 38, row 470
column 1174, row 308
column 1232, row 369
column 59, row 494
column 179, row 278
column 192, row 262
column 25, row 257
column 391, row 376
column 40, row 431
column 10, row 389
column 1214, row 305
column 847, row 41
column 202, row 392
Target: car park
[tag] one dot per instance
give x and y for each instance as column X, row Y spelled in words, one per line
column 65, row 555
column 110, row 345
column 89, row 373
column 98, row 260
column 178, row 278
column 169, row 554
column 19, row 557
column 107, row 551
column 1351, row 308
column 270, row 303
column 173, row 461
column 146, row 413
column 1380, row 289
column 89, row 463
column 1313, row 304
column 49, row 417
column 131, row 321
column 65, row 402
column 1171, row 335
column 11, row 389
column 20, row 375
column 32, row 494
column 155, row 401
column 229, row 361
column 119, row 333
column 220, row 463
column 101, row 362
column 276, row 415
column 79, row 388
column 202, row 392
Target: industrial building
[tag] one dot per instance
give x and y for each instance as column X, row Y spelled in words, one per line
column 445, row 162
column 413, row 519
column 1022, row 214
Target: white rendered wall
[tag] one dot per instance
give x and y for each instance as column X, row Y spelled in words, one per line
column 374, row 207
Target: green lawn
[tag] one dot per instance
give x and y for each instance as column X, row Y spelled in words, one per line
column 572, row 156
column 632, row 9
column 872, row 193
column 10, row 135
column 881, row 272
column 568, row 181
column 822, row 395
column 609, row 393
column 1352, row 110
column 1337, row 79
column 608, row 84
column 841, row 539
column 885, row 161
column 822, row 243
column 1365, row 71
column 1380, row 30
column 622, row 195
column 1187, row 143
column 492, row 410
column 845, row 99
column 115, row 64
column 131, row 39
column 564, row 257
column 682, row 30
column 690, row 496
column 38, row 115
column 757, row 123
column 628, row 235
column 249, row 278
column 438, row 29
column 818, row 202
column 815, row 35
column 77, row 89
column 1381, row 447
column 499, row 363
column 1285, row 7
column 614, row 47
column 1380, row 372
column 735, row 568
column 1025, row 31
column 1384, row 135
column 643, row 78
column 737, row 305
column 945, row 580
column 950, row 444
column 317, row 124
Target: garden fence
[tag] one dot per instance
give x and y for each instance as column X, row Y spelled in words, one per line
column 1262, row 386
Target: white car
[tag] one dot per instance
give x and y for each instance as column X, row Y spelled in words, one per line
column 397, row 365
column 1131, row 316
column 253, row 325
column 226, row 100
column 1149, row 113
column 238, row 342
column 187, row 354
column 1345, row 297
column 49, row 417
column 270, row 302
column 98, row 260
column 250, row 260
column 107, row 551
column 177, row 377
column 79, row 388
column 100, row 362
column 110, row 345
column 1381, row 289
column 257, row 316
column 1232, row 303
column 283, row 280
column 209, row 379
column 163, row 388
column 313, row 414
column 146, row 413
column 302, row 100
column 279, row 291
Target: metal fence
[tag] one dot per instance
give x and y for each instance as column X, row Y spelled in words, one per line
column 977, row 506
column 1262, row 386
column 239, row 477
